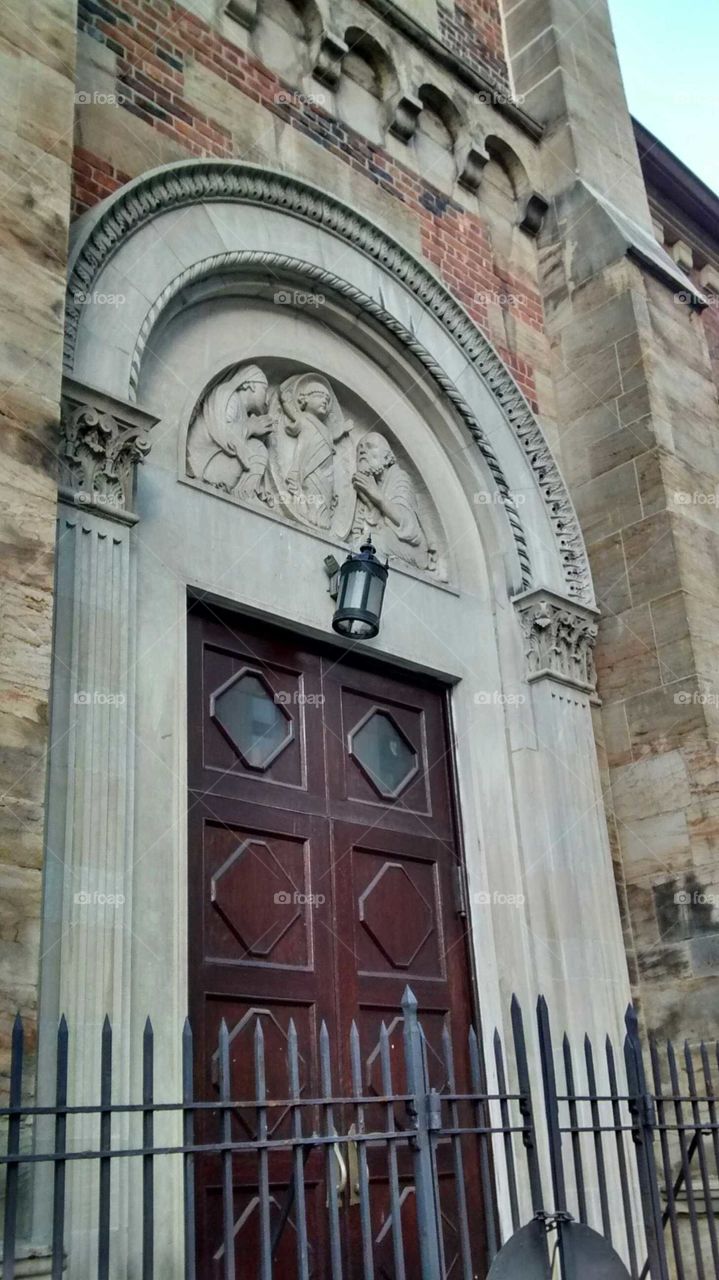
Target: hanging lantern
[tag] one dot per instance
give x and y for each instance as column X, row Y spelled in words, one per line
column 360, row 592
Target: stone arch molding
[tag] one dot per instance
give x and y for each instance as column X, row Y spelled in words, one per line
column 354, row 261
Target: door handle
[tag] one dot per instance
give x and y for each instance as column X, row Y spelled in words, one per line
column 353, row 1165
column 341, row 1183
column 347, row 1170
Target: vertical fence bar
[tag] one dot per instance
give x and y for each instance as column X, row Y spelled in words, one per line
column 483, row 1122
column 711, row 1103
column 13, row 1149
column 574, row 1125
column 428, row 1213
column 363, row 1172
column 58, row 1190
column 621, row 1157
column 670, row 1212
column 598, row 1144
column 460, row 1193
column 686, row 1161
column 263, row 1179
column 526, row 1107
column 703, row 1169
column 507, row 1127
column 551, row 1106
column 228, row 1199
column 554, row 1133
column 333, row 1212
column 148, row 1142
column 641, row 1106
column 293, row 1062
column 188, row 1140
column 103, row 1239
column 394, row 1192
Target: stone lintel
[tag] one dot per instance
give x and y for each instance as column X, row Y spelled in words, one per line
column 102, row 439
column 559, row 636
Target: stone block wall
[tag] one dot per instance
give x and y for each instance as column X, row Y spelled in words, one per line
column 37, row 72
column 638, row 421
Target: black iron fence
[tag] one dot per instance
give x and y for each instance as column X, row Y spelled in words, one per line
column 436, row 1162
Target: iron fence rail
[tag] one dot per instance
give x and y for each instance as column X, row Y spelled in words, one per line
column 628, row 1146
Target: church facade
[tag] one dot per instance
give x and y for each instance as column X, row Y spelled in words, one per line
column 282, row 277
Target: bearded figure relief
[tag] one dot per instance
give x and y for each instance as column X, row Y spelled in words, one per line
column 227, row 441
column 311, row 454
column 387, row 507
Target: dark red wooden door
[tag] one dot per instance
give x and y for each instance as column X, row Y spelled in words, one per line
column 322, row 864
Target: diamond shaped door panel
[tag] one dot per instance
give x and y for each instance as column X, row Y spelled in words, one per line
column 253, row 718
column 384, row 753
column 259, row 898
column 385, row 758
column 274, row 1020
column 397, row 926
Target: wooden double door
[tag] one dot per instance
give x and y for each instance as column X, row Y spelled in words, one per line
column 323, row 866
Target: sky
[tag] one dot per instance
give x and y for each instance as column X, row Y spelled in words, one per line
column 669, row 54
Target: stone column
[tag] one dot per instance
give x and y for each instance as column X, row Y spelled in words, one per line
column 89, row 856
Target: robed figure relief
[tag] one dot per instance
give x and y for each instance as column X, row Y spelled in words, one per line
column 387, row 507
column 227, row 441
column 293, row 449
column 311, row 453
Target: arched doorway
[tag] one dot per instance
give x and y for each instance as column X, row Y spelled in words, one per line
column 265, row 333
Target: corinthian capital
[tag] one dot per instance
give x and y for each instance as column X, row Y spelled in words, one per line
column 559, row 638
column 101, row 441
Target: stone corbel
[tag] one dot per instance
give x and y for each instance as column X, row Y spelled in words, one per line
column 101, row 441
column 470, row 166
column 328, row 63
column 559, row 638
column 404, row 115
column 534, row 211
column 243, row 11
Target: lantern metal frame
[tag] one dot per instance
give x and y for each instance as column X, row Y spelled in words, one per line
column 366, row 563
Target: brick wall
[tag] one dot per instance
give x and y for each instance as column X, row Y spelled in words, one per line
column 154, row 44
column 473, row 30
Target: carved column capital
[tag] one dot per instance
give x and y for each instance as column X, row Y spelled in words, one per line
column 101, row 441
column 559, row 637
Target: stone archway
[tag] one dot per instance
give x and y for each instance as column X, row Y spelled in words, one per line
column 193, row 251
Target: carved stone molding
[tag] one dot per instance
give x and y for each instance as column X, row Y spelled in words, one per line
column 559, row 639
column 101, row 441
column 208, row 180
column 404, row 116
column 328, row 64
column 470, row 167
column 534, row 212
column 243, row 11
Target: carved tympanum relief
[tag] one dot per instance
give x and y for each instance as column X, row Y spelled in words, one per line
column 291, row 448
